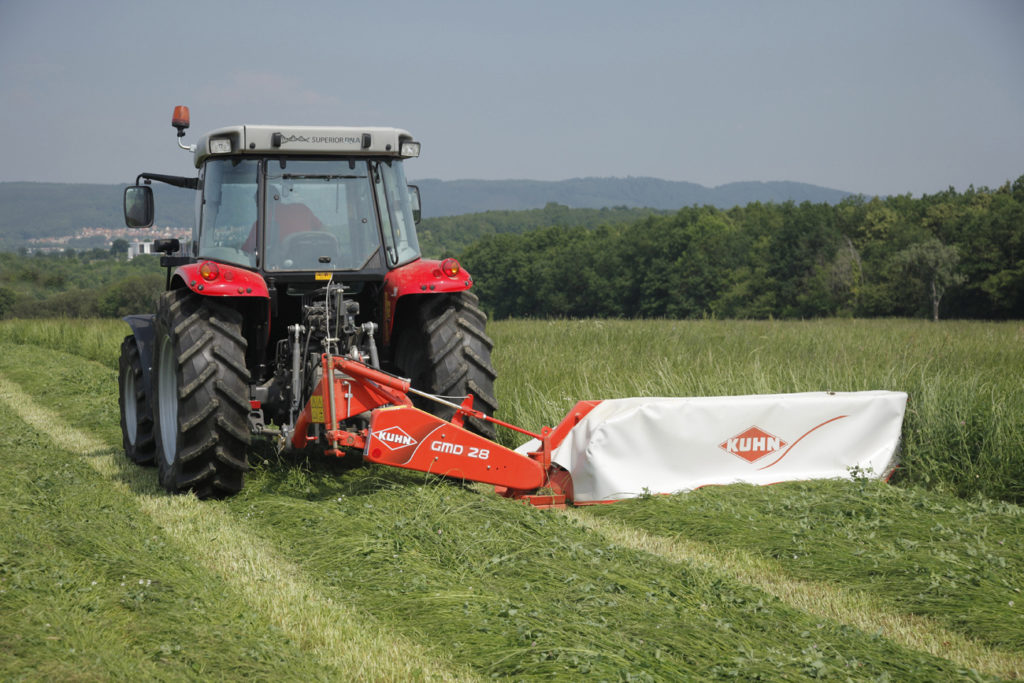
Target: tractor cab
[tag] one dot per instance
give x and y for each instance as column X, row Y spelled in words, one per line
column 299, row 199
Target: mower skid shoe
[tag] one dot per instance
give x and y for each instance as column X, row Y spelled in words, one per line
column 403, row 436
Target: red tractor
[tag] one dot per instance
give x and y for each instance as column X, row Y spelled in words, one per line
column 303, row 257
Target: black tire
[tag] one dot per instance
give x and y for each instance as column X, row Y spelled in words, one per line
column 136, row 412
column 445, row 351
column 201, row 391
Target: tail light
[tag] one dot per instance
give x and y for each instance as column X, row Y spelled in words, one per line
column 450, row 267
column 209, row 271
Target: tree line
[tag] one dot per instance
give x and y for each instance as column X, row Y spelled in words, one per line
column 451, row 235
column 89, row 283
column 951, row 254
column 954, row 254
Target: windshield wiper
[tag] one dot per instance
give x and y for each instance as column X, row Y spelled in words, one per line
column 312, row 176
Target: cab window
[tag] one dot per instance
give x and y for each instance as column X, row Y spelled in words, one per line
column 319, row 215
column 396, row 217
column 229, row 208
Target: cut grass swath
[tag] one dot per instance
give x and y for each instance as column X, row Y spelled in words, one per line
column 958, row 563
column 526, row 593
column 829, row 599
column 92, row 589
column 251, row 577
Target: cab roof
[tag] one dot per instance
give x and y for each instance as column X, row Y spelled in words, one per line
column 306, row 141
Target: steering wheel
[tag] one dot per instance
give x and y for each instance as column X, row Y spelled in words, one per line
column 306, row 248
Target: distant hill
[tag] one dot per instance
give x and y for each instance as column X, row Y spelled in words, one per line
column 455, row 197
column 29, row 210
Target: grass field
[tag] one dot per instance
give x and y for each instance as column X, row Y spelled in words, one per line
column 324, row 572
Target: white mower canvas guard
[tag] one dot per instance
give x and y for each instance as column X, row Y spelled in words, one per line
column 624, row 448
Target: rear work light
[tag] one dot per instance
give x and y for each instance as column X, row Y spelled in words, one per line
column 410, row 149
column 450, row 267
column 209, row 271
column 220, row 146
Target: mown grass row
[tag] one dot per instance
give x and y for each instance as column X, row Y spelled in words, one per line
column 476, row 582
column 958, row 563
column 520, row 592
column 829, row 598
column 92, row 589
column 104, row 576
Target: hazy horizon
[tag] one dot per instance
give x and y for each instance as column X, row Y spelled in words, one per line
column 874, row 97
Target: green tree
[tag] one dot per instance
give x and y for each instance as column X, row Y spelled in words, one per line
column 132, row 294
column 935, row 264
column 835, row 286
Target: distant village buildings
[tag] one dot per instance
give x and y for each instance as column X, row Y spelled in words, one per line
column 139, row 241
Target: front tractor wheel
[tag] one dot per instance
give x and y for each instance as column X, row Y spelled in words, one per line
column 445, row 351
column 202, row 396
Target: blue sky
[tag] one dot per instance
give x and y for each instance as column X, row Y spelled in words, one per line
column 878, row 97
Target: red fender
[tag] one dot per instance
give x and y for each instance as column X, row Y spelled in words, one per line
column 421, row 277
column 212, row 278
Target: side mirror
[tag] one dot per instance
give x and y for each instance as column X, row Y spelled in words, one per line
column 138, row 206
column 414, row 198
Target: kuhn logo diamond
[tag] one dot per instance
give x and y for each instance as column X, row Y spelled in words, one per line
column 752, row 444
column 394, row 437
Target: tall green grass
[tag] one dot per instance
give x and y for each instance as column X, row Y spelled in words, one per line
column 964, row 427
column 97, row 339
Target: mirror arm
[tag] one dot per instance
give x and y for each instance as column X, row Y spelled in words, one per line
column 175, row 180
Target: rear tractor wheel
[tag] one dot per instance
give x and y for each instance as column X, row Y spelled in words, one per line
column 202, row 396
column 445, row 351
